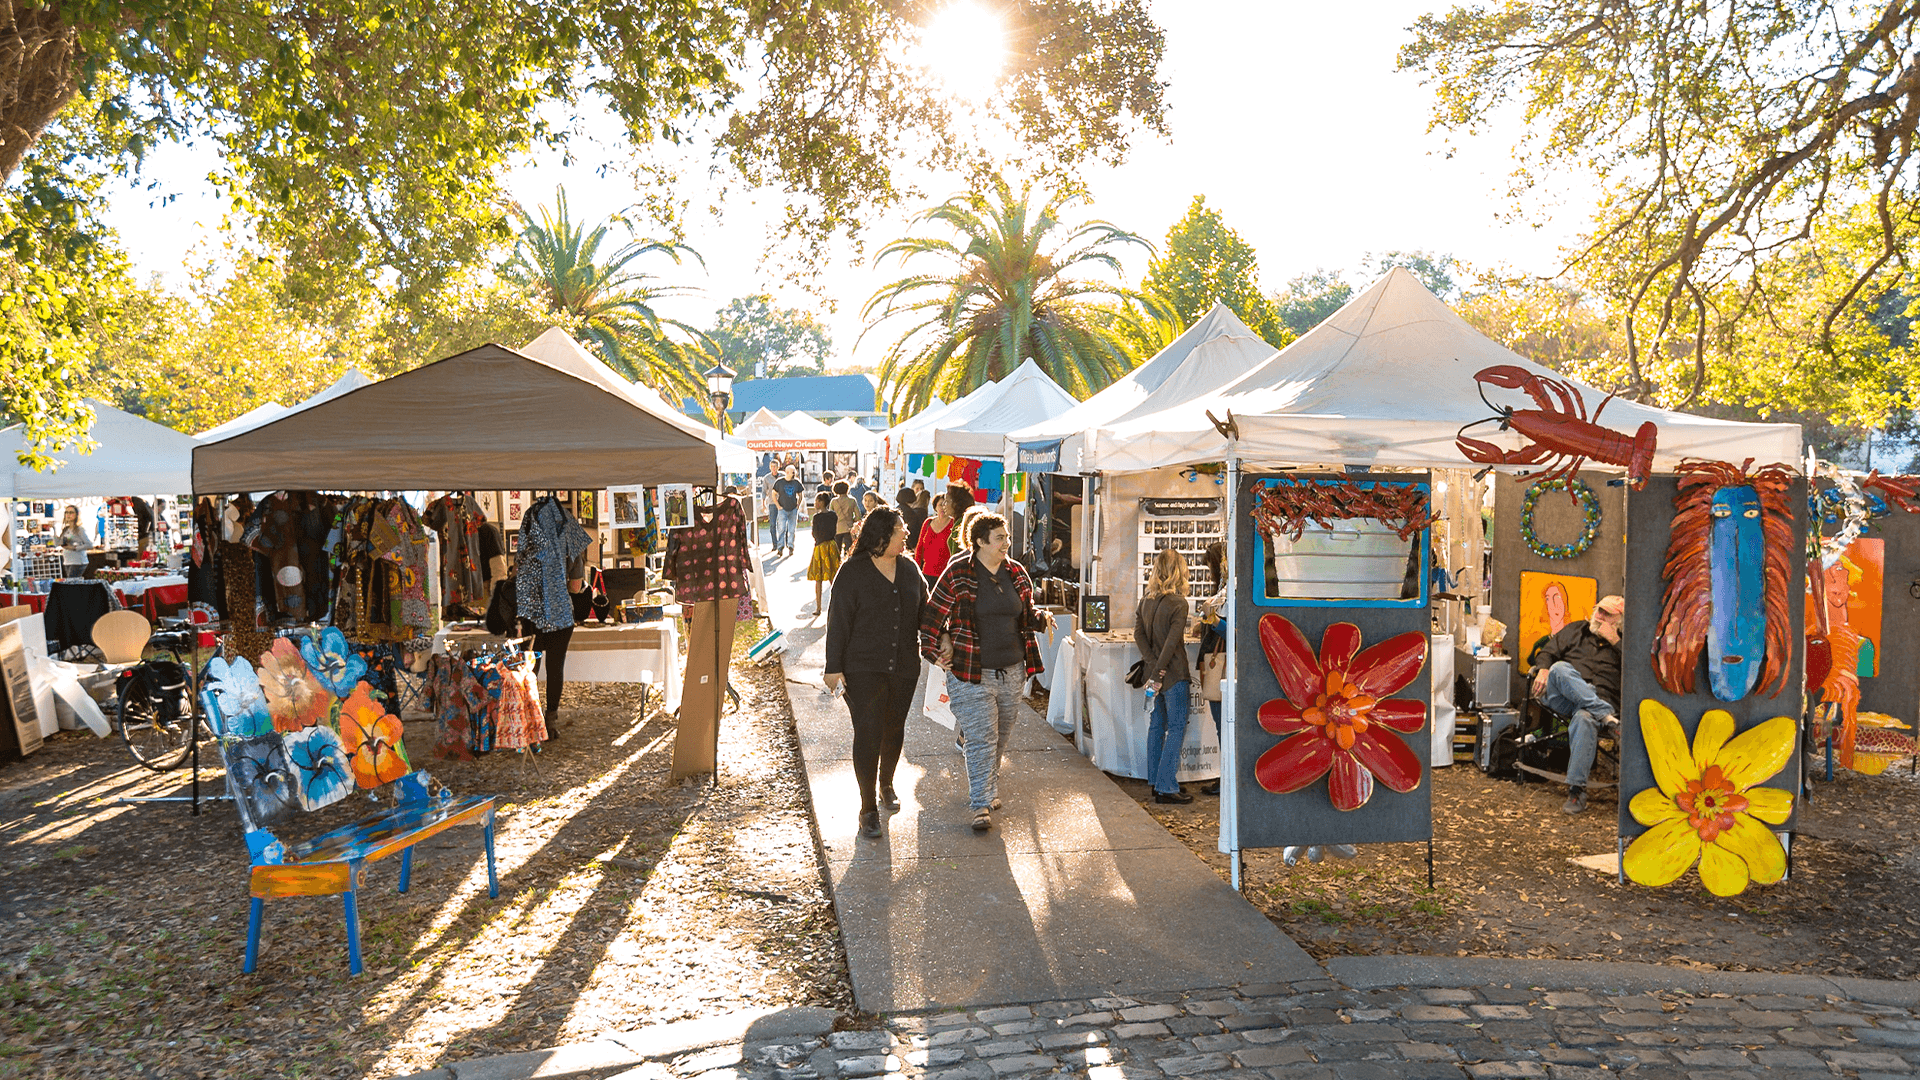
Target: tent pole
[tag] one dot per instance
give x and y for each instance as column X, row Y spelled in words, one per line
column 1229, row 745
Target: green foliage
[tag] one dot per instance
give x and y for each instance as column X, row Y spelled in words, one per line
column 1310, row 298
column 1725, row 137
column 1203, row 261
column 750, row 331
column 607, row 304
column 1005, row 296
column 1434, row 271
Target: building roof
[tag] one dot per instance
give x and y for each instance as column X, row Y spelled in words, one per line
column 815, row 395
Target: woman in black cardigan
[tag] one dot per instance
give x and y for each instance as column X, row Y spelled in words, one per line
column 873, row 651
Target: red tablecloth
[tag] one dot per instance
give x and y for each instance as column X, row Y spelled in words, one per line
column 36, row 601
column 159, row 600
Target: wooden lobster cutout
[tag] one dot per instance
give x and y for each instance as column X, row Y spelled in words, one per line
column 1726, row 570
column 1560, row 430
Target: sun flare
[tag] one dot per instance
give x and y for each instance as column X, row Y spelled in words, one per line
column 964, row 46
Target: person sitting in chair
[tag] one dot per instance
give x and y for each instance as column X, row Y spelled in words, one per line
column 1576, row 673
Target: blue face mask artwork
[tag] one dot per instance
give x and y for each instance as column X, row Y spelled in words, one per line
column 1736, row 559
column 1728, row 563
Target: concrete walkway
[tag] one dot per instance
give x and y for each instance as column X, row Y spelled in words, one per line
column 1075, row 893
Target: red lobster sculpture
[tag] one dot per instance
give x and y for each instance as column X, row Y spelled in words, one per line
column 1561, row 431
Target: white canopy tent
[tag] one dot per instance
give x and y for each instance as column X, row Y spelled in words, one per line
column 847, row 434
column 1216, row 350
column 265, row 412
column 133, row 456
column 976, row 426
column 808, row 427
column 1388, row 380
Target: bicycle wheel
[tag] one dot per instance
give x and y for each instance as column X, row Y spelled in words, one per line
column 154, row 741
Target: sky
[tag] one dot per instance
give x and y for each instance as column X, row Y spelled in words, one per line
column 1287, row 115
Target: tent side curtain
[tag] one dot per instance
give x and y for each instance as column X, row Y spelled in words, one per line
column 484, row 419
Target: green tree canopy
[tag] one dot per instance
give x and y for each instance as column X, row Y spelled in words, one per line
column 1203, row 261
column 1725, row 135
column 608, row 303
column 752, row 330
column 1308, row 299
column 1009, row 291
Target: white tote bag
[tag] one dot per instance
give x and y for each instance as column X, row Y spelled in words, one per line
column 939, row 709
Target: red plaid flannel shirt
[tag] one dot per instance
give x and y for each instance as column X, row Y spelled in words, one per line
column 949, row 610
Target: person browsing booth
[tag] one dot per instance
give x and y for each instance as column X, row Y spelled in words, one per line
column 1576, row 673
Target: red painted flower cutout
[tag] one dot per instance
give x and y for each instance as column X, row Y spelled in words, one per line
column 1335, row 707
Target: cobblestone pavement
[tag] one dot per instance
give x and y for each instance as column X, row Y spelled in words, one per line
column 1317, row 1030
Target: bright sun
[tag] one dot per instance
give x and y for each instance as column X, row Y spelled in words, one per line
column 964, row 46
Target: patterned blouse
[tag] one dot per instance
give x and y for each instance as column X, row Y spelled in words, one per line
column 708, row 559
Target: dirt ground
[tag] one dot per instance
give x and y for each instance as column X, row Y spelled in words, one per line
column 624, row 901
column 1504, row 885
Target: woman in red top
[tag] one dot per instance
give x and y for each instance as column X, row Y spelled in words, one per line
column 933, row 549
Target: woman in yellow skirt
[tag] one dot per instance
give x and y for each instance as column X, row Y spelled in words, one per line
column 826, row 548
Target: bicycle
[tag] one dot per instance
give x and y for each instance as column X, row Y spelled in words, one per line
column 158, row 718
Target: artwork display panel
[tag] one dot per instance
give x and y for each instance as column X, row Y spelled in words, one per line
column 627, row 511
column 1549, row 602
column 675, row 506
column 1281, row 645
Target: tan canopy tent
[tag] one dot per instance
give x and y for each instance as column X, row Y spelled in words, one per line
column 487, row 418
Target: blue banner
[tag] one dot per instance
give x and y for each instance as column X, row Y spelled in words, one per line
column 1040, row 457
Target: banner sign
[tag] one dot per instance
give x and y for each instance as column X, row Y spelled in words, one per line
column 1180, row 507
column 1040, row 457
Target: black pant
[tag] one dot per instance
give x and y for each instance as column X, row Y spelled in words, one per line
column 879, row 702
column 554, row 644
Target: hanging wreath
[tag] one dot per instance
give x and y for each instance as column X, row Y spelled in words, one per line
column 1590, row 514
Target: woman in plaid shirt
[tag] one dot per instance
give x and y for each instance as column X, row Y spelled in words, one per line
column 979, row 625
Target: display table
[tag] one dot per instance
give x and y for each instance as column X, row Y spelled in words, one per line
column 614, row 652
column 1113, row 716
column 1064, row 624
column 153, row 595
column 1442, row 714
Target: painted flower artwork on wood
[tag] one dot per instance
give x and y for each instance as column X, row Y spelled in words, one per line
column 333, row 661
column 371, row 736
column 1337, row 718
column 236, row 690
column 294, row 697
column 319, row 765
column 1708, row 806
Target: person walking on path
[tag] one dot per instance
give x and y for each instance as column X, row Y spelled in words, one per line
column 846, row 511
column 959, row 500
column 979, row 625
column 913, row 514
column 934, row 547
column 873, row 628
column 1160, row 632
column 826, row 549
column 74, row 543
column 786, row 509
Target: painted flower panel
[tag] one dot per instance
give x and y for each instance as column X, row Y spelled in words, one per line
column 372, row 737
column 333, row 661
column 262, row 780
column 1336, row 717
column 237, row 693
column 320, row 765
column 1707, row 806
column 294, row 697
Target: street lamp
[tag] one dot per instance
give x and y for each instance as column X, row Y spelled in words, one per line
column 720, row 390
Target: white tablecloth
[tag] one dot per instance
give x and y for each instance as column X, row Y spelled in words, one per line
column 1113, row 728
column 1440, row 655
column 621, row 652
column 139, row 585
column 1064, row 624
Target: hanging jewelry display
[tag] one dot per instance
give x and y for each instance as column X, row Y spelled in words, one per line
column 1589, row 504
column 1726, row 571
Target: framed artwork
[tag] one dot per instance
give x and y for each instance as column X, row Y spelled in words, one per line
column 1096, row 614
column 513, row 541
column 538, row 495
column 584, row 508
column 676, row 505
column 626, row 507
column 1856, row 587
column 1549, row 602
column 623, row 563
column 513, row 506
column 489, row 504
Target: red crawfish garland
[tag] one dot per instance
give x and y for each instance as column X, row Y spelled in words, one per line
column 1716, row 601
column 1900, row 491
column 1560, row 434
column 1286, row 508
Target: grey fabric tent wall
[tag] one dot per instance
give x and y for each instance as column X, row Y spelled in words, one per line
column 486, row 418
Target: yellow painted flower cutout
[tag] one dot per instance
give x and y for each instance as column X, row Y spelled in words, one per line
column 1708, row 807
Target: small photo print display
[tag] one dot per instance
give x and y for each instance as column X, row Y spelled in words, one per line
column 676, row 505
column 513, row 507
column 626, row 507
column 1096, row 614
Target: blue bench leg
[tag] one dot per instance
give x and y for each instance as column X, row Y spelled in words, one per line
column 493, row 877
column 406, row 869
column 353, row 932
column 253, row 936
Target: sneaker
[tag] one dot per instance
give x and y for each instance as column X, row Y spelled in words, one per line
column 1172, row 797
column 1576, row 801
column 888, row 798
column 870, row 823
column 982, row 820
column 995, row 805
column 1211, row 789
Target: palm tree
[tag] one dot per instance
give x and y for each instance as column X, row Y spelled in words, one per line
column 1006, row 295
column 609, row 305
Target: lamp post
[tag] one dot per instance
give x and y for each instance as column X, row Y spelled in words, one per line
column 720, row 390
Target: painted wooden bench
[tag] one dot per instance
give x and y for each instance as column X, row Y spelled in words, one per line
column 284, row 752
column 330, row 864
